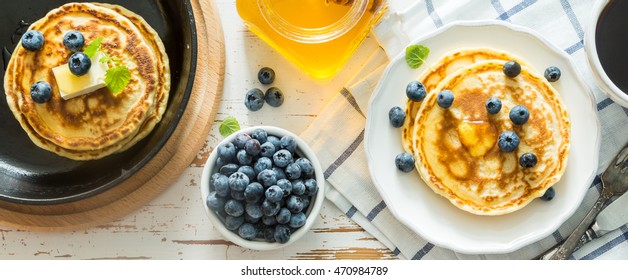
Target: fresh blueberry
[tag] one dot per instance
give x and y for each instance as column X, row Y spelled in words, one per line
column 266, row 75
column 549, row 194
column 260, row 135
column 213, row 178
column 274, row 193
column 527, row 160
column 215, row 202
column 275, row 140
column 512, row 69
column 238, row 181
column 229, row 169
column 240, row 140
column 248, row 171
column 244, row 158
column 251, row 220
column 254, row 99
column 282, row 234
column 262, row 163
column 508, row 141
column 268, row 149
column 221, row 185
column 286, row 186
column 519, row 115
column 279, row 173
column 219, row 163
column 79, row 63
column 32, row 40
column 289, row 143
column 305, row 200
column 269, row 220
column 552, row 74
column 282, row 158
column 254, row 210
column 234, row 208
column 415, row 91
column 396, row 116
column 253, row 192
column 41, row 92
column 274, row 97
column 298, row 187
column 297, row 220
column 267, row 178
column 294, row 204
column 283, row 217
column 293, row 171
column 269, row 234
column 445, row 98
column 247, row 231
column 253, row 147
column 233, row 223
column 493, row 105
column 227, row 152
column 237, row 195
column 307, row 168
column 311, row 186
column 404, row 162
column 74, row 41
column 270, row 208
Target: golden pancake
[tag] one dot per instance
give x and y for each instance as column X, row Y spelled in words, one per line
column 456, row 149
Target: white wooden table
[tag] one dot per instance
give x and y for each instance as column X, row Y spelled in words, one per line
column 174, row 225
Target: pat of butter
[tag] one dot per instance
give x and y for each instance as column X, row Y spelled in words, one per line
column 71, row 86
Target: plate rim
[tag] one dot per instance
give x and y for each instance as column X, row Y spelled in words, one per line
column 516, row 243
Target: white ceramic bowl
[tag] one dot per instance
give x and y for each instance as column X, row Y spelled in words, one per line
column 304, row 150
column 603, row 81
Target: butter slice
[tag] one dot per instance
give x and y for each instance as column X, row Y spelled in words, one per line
column 71, row 86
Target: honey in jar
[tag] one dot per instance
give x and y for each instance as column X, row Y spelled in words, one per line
column 318, row 36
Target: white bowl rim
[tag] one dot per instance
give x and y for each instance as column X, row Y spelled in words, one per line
column 313, row 210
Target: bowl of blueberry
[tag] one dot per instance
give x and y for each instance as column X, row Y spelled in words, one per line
column 262, row 187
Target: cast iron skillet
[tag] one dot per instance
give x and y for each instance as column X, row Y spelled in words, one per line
column 30, row 175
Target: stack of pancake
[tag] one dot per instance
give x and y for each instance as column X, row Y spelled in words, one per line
column 100, row 123
column 456, row 149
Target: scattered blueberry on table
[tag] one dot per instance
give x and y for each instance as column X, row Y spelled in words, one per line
column 254, row 99
column 266, row 75
column 274, row 97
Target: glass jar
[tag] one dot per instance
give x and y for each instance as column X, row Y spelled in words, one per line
column 318, row 36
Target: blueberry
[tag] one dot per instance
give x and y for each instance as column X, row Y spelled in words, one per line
column 244, row 158
column 298, row 187
column 297, row 220
column 253, row 147
column 253, row 192
column 274, row 97
column 415, row 91
column 283, row 217
column 552, row 73
column 311, row 187
column 269, row 234
column 213, row 178
column 293, row 171
column 79, row 63
column 279, row 173
column 229, row 169
column 234, row 208
column 307, row 168
column 549, row 194
column 247, row 231
column 274, row 193
column 240, row 140
column 260, row 135
column 251, row 220
column 254, row 99
column 74, row 41
column 254, row 210
column 215, row 202
column 233, row 223
column 221, row 185
column 512, row 69
column 519, row 115
column 305, row 201
column 527, row 160
column 282, row 234
column 248, row 171
column 267, row 178
column 404, row 162
column 266, row 75
column 286, row 186
column 267, row 149
column 227, row 152
column 294, row 204
column 32, row 40
column 493, row 105
column 396, row 116
column 238, row 181
column 275, row 140
column 445, row 98
column 41, row 92
column 282, row 158
column 289, row 143
column 508, row 141
column 219, row 163
column 262, row 163
column 237, row 195
column 270, row 208
column 269, row 220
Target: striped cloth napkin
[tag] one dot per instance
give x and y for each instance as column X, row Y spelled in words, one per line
column 343, row 158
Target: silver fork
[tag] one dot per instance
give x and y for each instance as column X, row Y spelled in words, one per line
column 614, row 182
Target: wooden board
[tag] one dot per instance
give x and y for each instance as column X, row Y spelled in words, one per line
column 160, row 172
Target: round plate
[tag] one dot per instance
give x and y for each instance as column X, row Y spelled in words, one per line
column 434, row 217
column 30, row 175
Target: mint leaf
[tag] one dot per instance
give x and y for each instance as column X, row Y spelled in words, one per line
column 117, row 78
column 93, row 47
column 416, row 55
column 229, row 126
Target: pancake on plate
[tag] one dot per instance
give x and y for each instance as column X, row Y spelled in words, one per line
column 99, row 123
column 456, row 149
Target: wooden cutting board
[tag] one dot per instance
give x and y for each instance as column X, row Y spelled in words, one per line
column 160, row 172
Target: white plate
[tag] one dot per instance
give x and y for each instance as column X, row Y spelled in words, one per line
column 434, row 217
